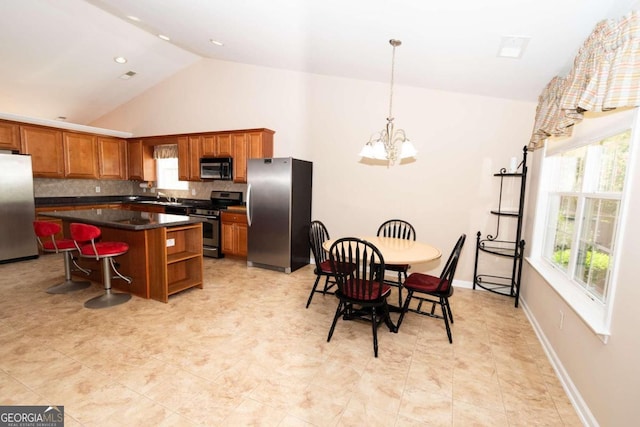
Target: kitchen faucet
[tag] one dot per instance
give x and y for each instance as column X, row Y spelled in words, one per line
column 161, row 194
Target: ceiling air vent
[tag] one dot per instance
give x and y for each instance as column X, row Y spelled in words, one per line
column 128, row 75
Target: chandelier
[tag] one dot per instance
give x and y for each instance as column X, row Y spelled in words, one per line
column 389, row 144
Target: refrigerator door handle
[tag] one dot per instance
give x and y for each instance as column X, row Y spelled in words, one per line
column 249, row 212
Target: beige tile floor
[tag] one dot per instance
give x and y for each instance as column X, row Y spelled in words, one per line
column 245, row 351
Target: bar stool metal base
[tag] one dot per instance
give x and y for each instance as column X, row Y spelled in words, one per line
column 108, row 299
column 69, row 286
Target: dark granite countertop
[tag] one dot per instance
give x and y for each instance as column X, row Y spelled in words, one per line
column 41, row 202
column 124, row 219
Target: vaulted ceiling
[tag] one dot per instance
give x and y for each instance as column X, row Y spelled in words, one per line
column 58, row 55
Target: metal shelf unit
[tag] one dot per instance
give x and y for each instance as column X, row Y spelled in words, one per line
column 492, row 245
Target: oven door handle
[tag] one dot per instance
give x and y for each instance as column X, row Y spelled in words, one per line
column 249, row 211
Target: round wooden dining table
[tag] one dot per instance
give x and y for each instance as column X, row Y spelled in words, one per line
column 398, row 251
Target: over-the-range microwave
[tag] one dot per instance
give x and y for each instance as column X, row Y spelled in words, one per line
column 216, row 168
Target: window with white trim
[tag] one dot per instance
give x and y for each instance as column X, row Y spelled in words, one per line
column 580, row 214
column 167, row 175
column 583, row 202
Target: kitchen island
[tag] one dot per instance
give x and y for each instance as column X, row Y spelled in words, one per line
column 165, row 251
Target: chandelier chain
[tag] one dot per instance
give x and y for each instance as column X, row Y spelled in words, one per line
column 393, row 66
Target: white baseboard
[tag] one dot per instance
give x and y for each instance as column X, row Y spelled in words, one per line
column 575, row 397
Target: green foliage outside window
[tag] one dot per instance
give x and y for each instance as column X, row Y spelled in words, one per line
column 598, row 261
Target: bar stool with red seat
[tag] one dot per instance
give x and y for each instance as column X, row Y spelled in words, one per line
column 85, row 236
column 46, row 234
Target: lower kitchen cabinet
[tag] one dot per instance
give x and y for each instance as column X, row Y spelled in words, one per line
column 234, row 234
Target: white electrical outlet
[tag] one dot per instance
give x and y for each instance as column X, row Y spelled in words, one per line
column 97, row 188
column 171, row 242
column 561, row 324
column 193, row 191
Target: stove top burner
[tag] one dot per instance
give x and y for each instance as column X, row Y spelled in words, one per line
column 219, row 200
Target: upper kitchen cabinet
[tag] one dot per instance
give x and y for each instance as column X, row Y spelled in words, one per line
column 112, row 158
column 9, row 136
column 208, row 145
column 45, row 146
column 255, row 144
column 216, row 145
column 189, row 153
column 141, row 164
column 80, row 155
column 224, row 145
column 239, row 154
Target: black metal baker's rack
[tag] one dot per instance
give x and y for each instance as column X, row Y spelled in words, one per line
column 493, row 245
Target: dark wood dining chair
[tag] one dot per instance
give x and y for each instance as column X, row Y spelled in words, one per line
column 434, row 290
column 361, row 292
column 318, row 234
column 399, row 229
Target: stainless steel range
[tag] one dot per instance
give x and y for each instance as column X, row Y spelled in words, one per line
column 210, row 213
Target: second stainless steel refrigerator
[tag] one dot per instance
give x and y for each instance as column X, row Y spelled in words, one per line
column 279, row 213
column 17, row 212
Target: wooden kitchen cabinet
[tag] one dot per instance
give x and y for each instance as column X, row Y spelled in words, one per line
column 80, row 155
column 209, row 145
column 9, row 136
column 223, row 145
column 140, row 158
column 143, row 207
column 189, row 153
column 250, row 145
column 216, row 145
column 45, row 146
column 112, row 158
column 234, row 233
column 240, row 155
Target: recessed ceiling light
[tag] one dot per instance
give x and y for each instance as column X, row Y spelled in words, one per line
column 216, row 42
column 133, row 18
column 120, row 59
column 512, row 46
column 163, row 37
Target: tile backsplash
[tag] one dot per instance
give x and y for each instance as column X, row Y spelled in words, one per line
column 45, row 187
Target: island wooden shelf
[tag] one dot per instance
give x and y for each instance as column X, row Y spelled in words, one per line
column 179, row 250
column 165, row 251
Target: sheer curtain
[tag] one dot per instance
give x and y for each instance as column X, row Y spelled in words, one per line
column 605, row 76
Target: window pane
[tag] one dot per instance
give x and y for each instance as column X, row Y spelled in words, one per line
column 596, row 245
column 614, row 152
column 167, row 175
column 562, row 220
column 569, row 170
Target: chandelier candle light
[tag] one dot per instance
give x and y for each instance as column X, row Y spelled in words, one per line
column 389, row 144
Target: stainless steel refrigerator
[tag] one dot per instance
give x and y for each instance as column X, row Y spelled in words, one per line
column 279, row 213
column 17, row 239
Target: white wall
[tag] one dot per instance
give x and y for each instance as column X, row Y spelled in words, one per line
column 603, row 379
column 462, row 140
